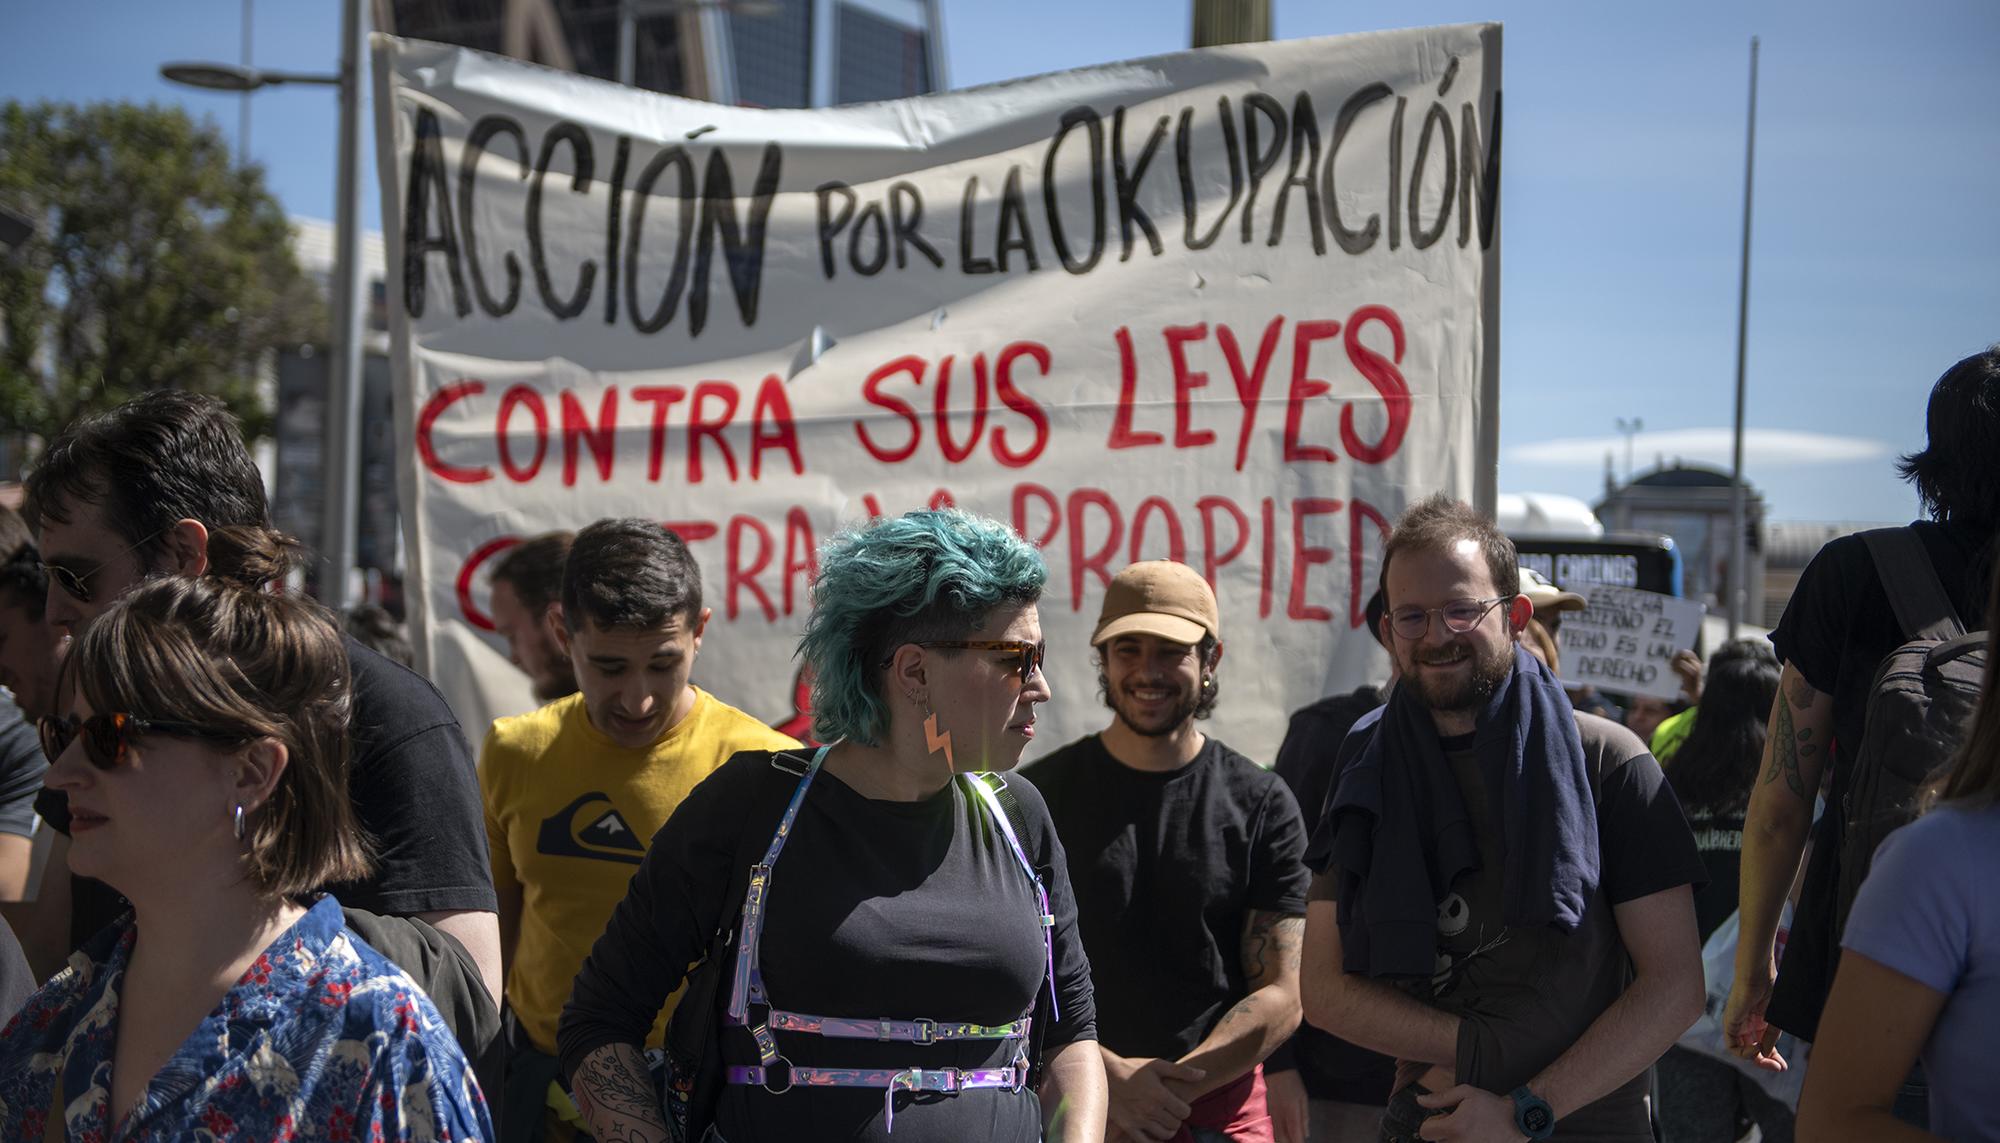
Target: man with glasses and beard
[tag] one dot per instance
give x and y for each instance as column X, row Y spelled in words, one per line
column 1502, row 897
column 1185, row 859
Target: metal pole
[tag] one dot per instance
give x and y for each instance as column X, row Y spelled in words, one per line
column 343, row 453
column 628, row 43
column 243, row 100
column 1739, row 548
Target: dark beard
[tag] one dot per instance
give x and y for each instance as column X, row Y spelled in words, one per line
column 561, row 686
column 1177, row 716
column 1486, row 678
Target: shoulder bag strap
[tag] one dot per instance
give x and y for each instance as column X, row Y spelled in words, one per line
column 1910, row 580
column 984, row 785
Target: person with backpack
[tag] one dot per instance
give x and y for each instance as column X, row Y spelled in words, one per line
column 1864, row 598
column 1702, row 1098
column 1920, row 976
column 901, row 949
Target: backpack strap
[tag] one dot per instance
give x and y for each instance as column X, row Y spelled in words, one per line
column 1910, row 580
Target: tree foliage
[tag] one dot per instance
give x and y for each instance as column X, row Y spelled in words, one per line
column 156, row 262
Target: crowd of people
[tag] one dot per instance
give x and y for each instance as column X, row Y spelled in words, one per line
column 1458, row 904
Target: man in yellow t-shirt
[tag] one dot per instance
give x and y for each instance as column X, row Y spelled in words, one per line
column 575, row 791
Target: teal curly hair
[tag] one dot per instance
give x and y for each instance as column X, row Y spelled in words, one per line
column 921, row 576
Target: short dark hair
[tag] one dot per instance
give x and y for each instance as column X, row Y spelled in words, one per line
column 630, row 573
column 23, row 583
column 1435, row 523
column 153, row 460
column 534, row 569
column 1955, row 475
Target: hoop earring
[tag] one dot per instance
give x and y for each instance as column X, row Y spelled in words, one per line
column 239, row 821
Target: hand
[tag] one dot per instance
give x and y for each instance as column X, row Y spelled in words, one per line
column 1475, row 1115
column 1687, row 665
column 1285, row 1092
column 1143, row 1106
column 1745, row 1032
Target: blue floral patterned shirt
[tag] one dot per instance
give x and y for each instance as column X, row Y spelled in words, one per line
column 322, row 1039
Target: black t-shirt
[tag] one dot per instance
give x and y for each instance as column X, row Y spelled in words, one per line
column 1719, row 836
column 415, row 790
column 1167, row 867
column 1525, row 995
column 1330, row 1067
column 877, row 910
column 21, row 767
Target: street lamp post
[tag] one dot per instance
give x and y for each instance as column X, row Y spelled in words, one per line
column 343, row 453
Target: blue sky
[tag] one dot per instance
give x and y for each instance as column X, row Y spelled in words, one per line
column 1873, row 253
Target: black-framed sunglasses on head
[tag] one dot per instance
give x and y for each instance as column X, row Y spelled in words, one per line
column 1460, row 616
column 1030, row 655
column 107, row 736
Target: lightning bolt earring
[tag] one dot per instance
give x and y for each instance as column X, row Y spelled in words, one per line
column 938, row 741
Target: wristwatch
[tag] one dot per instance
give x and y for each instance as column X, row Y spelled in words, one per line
column 1533, row 1116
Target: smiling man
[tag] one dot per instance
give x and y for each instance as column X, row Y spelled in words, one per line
column 1185, row 859
column 1502, row 897
column 575, row 790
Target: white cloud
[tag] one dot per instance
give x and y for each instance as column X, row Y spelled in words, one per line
column 1762, row 448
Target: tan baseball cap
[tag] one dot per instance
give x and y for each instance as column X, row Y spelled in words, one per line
column 1158, row 597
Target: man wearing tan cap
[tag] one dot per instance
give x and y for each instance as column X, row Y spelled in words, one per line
column 1185, row 857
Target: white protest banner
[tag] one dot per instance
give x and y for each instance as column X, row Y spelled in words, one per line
column 1236, row 306
column 1624, row 642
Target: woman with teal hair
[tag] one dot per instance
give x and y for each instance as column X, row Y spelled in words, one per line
column 901, row 952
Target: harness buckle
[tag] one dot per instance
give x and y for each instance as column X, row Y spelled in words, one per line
column 771, row 1068
column 926, row 1031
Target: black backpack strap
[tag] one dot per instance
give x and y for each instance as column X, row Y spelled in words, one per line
column 1910, row 580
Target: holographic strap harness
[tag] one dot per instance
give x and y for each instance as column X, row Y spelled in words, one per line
column 775, row 1074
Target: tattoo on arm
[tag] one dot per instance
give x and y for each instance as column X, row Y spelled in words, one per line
column 615, row 1099
column 1791, row 745
column 1801, row 692
column 1271, row 943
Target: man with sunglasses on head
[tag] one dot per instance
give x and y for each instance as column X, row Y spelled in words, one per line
column 1185, row 859
column 163, row 486
column 1502, row 898
column 575, row 791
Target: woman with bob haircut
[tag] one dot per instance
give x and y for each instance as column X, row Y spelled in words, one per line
column 1920, row 971
column 904, row 956
column 204, row 757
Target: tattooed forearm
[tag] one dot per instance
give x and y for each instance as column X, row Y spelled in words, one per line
column 615, row 1098
column 1799, row 691
column 1271, row 943
column 1791, row 745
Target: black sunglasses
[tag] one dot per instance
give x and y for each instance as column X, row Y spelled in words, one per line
column 77, row 584
column 1030, row 655
column 106, row 736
